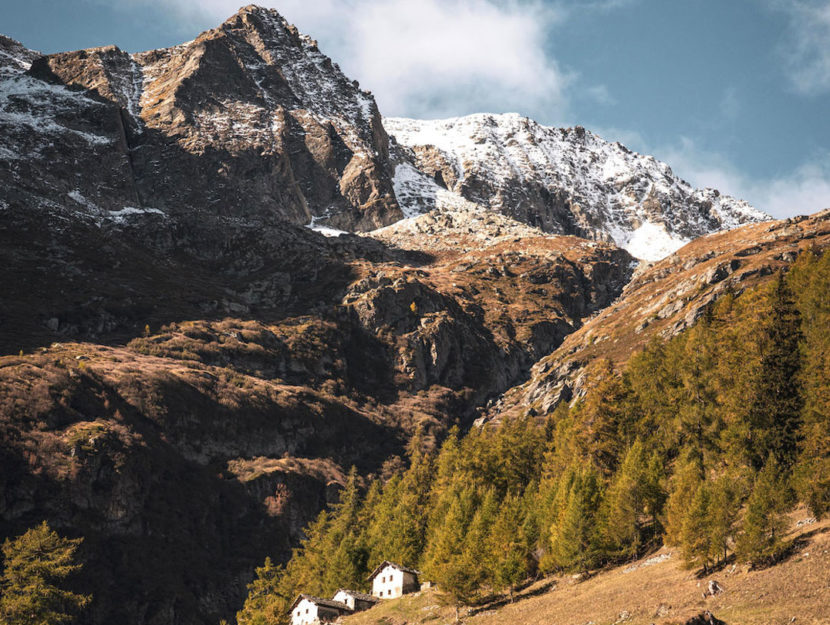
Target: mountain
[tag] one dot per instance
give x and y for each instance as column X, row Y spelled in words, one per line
column 664, row 299
column 248, row 119
column 188, row 371
column 562, row 180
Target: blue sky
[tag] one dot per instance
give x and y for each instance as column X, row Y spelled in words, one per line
column 732, row 94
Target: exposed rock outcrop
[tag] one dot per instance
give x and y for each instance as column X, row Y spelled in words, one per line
column 664, row 299
column 249, row 120
column 562, row 180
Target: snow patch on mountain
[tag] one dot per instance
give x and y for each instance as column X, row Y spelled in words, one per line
column 564, row 180
column 120, row 216
column 649, row 241
column 35, row 108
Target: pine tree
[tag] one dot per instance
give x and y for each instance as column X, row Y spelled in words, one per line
column 684, row 486
column 763, row 524
column 575, row 538
column 35, row 566
column 775, row 414
column 507, row 546
column 695, row 536
column 266, row 603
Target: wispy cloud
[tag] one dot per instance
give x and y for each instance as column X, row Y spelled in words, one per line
column 426, row 58
column 806, row 47
column 601, row 95
column 803, row 190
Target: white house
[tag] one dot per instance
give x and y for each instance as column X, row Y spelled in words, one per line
column 308, row 610
column 357, row 601
column 390, row 580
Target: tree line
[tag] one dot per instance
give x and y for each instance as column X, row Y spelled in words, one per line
column 703, row 442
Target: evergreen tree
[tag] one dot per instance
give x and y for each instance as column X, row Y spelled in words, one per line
column 35, row 566
column 763, row 524
column 575, row 538
column 775, row 414
column 266, row 604
column 684, row 486
column 695, row 535
column 507, row 545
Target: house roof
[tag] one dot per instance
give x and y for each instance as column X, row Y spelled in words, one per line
column 357, row 595
column 386, row 563
column 326, row 603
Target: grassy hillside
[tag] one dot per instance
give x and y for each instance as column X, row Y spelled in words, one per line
column 655, row 589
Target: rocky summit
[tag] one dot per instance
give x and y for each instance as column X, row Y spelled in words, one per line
column 189, row 367
column 562, row 180
column 249, row 119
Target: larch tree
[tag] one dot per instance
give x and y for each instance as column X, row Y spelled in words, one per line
column 775, row 414
column 35, row 568
column 810, row 278
column 695, row 541
column 507, row 546
column 763, row 524
column 575, row 539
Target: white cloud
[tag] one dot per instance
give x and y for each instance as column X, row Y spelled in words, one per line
column 801, row 191
column 601, row 95
column 426, row 58
column 806, row 48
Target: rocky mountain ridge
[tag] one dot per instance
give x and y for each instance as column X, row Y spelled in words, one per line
column 251, row 120
column 247, row 120
column 562, row 180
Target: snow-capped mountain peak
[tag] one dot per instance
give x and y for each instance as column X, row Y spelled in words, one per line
column 565, row 180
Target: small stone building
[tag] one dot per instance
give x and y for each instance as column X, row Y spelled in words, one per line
column 357, row 601
column 308, row 610
column 390, row 580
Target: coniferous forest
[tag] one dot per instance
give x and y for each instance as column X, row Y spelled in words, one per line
column 702, row 442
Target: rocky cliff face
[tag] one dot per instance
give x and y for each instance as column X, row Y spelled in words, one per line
column 561, row 180
column 206, row 390
column 248, row 120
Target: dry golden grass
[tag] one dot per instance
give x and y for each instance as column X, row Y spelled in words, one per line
column 666, row 297
column 794, row 591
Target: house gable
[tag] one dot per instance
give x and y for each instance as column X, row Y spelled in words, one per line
column 390, row 580
column 307, row 609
